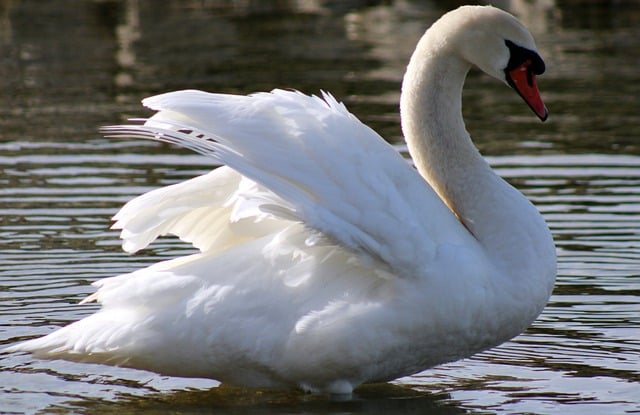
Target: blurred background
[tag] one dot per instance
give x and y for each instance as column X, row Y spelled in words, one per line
column 68, row 67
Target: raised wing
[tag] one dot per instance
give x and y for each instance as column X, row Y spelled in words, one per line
column 335, row 174
column 213, row 212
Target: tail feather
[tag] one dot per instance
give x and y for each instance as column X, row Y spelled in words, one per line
column 91, row 340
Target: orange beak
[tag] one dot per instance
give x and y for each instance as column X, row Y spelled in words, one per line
column 523, row 80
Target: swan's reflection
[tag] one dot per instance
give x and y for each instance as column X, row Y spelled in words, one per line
column 370, row 399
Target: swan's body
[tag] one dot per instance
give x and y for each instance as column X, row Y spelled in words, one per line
column 326, row 260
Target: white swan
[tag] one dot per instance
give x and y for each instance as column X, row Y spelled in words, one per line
column 326, row 260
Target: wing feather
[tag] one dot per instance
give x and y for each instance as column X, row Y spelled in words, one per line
column 331, row 171
column 213, row 212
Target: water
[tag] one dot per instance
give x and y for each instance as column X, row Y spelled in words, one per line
column 68, row 67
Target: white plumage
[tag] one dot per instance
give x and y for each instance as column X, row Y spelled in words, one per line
column 326, row 259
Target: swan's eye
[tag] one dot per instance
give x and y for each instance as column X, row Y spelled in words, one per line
column 519, row 57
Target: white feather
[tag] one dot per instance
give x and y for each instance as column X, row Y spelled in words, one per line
column 297, row 146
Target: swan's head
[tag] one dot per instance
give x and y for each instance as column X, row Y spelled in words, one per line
column 498, row 44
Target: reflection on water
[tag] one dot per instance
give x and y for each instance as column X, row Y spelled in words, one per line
column 67, row 67
column 371, row 399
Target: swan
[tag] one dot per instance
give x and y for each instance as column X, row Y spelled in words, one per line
column 325, row 259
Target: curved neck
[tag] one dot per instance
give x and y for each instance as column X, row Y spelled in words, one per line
column 496, row 214
column 431, row 109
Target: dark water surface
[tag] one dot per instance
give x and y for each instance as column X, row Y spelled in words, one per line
column 68, row 67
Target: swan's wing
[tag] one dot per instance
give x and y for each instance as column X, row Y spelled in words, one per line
column 334, row 173
column 182, row 209
column 213, row 212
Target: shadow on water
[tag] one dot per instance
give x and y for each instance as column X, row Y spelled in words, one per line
column 369, row 399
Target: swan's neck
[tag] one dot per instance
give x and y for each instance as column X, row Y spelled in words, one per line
column 504, row 222
column 431, row 108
